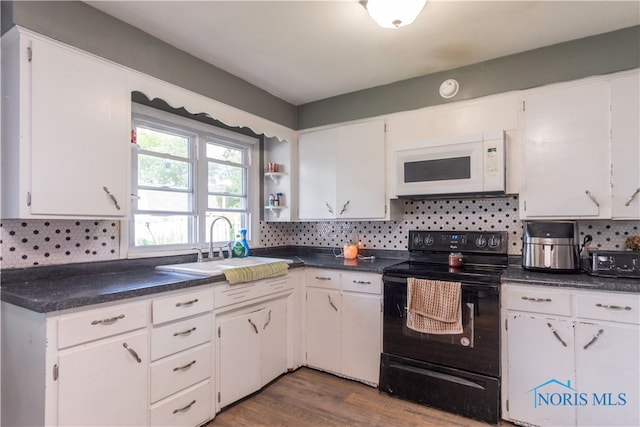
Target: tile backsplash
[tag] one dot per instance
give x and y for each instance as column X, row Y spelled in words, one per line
column 27, row 243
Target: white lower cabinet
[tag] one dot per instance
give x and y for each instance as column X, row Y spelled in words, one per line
column 252, row 336
column 571, row 357
column 323, row 329
column 85, row 367
column 344, row 323
column 104, row 382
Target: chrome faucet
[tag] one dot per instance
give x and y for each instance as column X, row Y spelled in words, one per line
column 215, row 219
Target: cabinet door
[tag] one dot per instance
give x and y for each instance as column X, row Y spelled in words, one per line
column 103, row 383
column 540, row 367
column 273, row 341
column 361, row 336
column 608, row 372
column 360, row 166
column 239, row 350
column 317, row 175
column 79, row 134
column 625, row 146
column 323, row 329
column 566, row 160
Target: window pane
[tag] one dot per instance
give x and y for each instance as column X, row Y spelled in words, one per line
column 221, row 231
column 153, row 200
column 226, row 179
column 225, row 202
column 161, row 230
column 227, row 154
column 162, row 142
column 159, row 172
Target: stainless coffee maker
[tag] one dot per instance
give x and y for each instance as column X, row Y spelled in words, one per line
column 551, row 246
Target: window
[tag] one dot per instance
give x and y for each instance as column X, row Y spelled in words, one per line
column 186, row 173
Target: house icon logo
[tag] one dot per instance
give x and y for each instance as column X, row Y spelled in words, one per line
column 555, row 393
column 542, row 398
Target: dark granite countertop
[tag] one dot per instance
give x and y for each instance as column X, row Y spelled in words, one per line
column 53, row 288
column 516, row 274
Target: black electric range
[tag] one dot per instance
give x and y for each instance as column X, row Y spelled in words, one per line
column 458, row 373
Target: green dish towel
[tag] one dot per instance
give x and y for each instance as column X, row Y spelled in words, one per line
column 256, row 272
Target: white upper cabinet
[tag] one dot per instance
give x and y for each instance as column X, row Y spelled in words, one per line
column 625, row 146
column 566, row 152
column 65, row 128
column 342, row 173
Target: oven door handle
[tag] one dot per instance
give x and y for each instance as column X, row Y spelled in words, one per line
column 391, row 279
column 439, row 375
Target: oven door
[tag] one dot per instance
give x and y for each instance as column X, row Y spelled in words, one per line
column 477, row 349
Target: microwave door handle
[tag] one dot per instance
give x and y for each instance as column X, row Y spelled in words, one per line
column 547, row 254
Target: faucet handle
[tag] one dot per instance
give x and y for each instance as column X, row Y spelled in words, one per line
column 199, row 253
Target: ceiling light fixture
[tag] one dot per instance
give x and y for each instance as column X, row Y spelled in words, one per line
column 394, row 13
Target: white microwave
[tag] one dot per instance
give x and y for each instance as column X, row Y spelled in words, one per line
column 473, row 165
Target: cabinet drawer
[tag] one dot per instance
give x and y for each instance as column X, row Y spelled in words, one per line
column 328, row 279
column 189, row 408
column 177, row 372
column 605, row 306
column 232, row 294
column 183, row 305
column 174, row 337
column 539, row 301
column 95, row 324
column 369, row 283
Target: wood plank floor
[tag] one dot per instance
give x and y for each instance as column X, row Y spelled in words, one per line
column 308, row 397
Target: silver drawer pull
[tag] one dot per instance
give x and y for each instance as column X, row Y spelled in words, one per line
column 322, row 278
column 187, row 366
column 255, row 328
column 185, row 408
column 633, row 196
column 595, row 337
column 592, row 197
column 555, row 333
column 187, row 332
column 132, row 352
column 186, row 303
column 113, row 198
column 268, row 321
column 331, row 303
column 329, row 208
column 536, row 299
column 362, row 282
column 108, row 321
column 613, row 307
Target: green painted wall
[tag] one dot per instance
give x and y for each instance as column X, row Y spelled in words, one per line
column 601, row 54
column 80, row 25
column 77, row 24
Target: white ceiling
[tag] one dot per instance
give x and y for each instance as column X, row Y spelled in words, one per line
column 303, row 50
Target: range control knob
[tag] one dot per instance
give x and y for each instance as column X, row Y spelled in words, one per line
column 481, row 242
column 417, row 240
column 428, row 240
column 494, row 241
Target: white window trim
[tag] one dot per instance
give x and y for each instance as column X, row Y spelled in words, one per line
column 253, row 194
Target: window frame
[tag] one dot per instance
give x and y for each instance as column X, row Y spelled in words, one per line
column 202, row 133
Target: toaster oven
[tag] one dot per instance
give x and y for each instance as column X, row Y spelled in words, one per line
column 613, row 263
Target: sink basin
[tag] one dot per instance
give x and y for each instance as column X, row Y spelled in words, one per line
column 214, row 268
column 244, row 262
column 201, row 268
